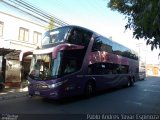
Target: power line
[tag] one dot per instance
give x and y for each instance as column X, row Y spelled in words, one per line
column 24, row 11
column 40, row 12
column 33, row 11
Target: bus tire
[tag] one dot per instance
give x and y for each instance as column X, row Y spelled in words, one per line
column 89, row 89
column 130, row 82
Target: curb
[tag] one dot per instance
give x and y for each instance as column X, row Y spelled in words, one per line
column 13, row 95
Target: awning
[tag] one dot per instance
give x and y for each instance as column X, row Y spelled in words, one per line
column 9, row 53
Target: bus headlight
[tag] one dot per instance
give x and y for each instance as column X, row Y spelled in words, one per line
column 56, row 84
column 52, row 86
column 28, row 82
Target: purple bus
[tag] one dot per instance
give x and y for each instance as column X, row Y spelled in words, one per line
column 74, row 61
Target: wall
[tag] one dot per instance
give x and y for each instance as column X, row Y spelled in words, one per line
column 10, row 39
column 11, row 32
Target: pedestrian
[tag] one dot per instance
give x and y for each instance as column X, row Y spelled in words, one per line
column 1, row 81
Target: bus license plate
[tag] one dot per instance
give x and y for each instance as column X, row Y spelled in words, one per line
column 37, row 93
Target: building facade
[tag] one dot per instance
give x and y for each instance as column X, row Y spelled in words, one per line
column 19, row 31
column 153, row 69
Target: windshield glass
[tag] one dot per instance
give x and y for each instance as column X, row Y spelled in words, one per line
column 43, row 67
column 40, row 66
column 67, row 62
column 55, row 36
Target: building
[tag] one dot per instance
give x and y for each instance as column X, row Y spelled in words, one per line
column 21, row 29
column 153, row 70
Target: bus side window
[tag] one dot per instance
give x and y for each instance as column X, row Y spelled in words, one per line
column 71, row 67
column 97, row 44
column 91, row 69
column 79, row 37
column 75, row 37
column 86, row 38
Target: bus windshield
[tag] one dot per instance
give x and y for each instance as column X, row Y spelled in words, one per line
column 40, row 66
column 43, row 67
column 55, row 36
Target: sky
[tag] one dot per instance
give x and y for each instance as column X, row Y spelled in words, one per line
column 95, row 15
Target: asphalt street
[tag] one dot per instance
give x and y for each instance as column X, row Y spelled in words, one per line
column 142, row 98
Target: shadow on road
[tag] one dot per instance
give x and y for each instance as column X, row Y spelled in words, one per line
column 82, row 98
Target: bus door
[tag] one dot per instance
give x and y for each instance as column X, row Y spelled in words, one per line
column 70, row 64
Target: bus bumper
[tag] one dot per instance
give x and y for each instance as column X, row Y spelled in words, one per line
column 47, row 93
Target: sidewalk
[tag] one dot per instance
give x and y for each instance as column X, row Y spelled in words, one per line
column 12, row 93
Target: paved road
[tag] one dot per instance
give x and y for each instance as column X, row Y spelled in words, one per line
column 143, row 98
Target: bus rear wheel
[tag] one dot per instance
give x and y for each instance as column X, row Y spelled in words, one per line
column 89, row 89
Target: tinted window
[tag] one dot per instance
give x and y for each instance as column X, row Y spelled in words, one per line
column 55, row 36
column 107, row 68
column 69, row 61
column 124, row 51
column 79, row 37
column 102, row 44
column 97, row 44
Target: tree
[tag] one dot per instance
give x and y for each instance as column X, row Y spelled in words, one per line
column 143, row 18
column 51, row 24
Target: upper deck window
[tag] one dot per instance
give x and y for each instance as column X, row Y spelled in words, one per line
column 102, row 44
column 79, row 37
column 55, row 36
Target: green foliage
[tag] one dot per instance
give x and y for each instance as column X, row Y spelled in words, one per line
column 51, row 24
column 143, row 18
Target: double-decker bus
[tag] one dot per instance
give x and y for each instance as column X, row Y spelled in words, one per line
column 74, row 61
